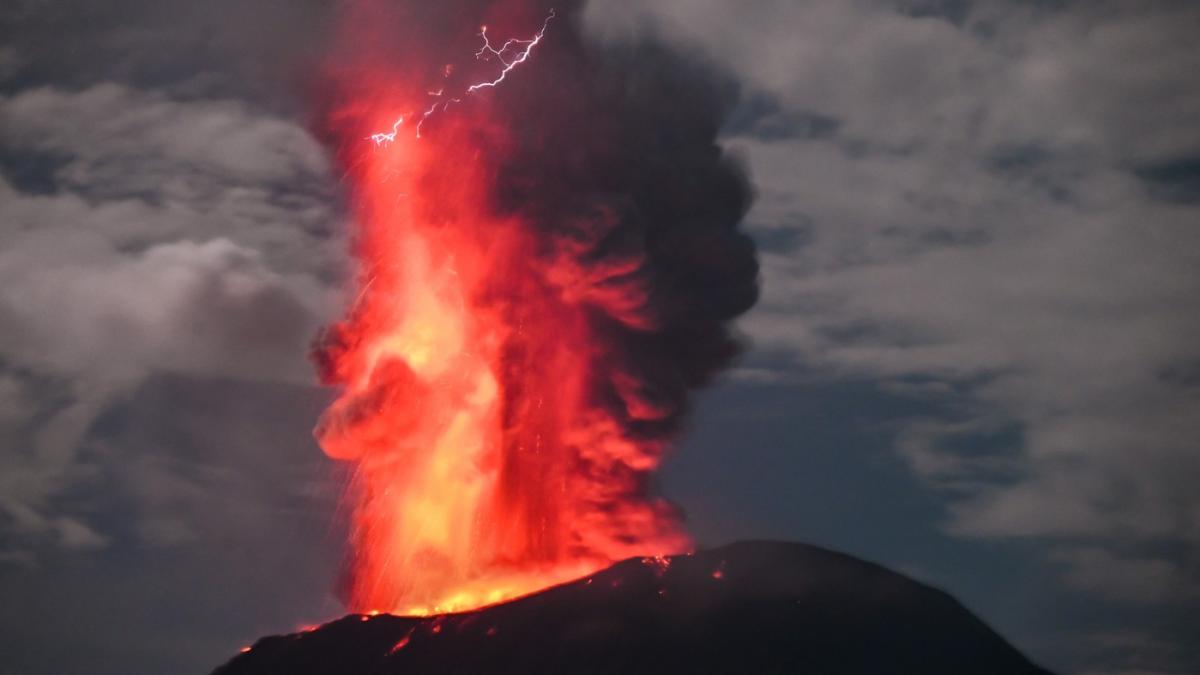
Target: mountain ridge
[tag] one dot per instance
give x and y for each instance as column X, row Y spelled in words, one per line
column 745, row 608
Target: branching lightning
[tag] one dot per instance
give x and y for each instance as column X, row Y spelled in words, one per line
column 433, row 108
column 382, row 138
column 520, row 58
column 511, row 54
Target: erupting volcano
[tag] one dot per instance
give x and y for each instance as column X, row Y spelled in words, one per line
column 548, row 258
column 548, row 261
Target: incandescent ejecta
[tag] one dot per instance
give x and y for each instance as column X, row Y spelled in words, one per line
column 548, row 261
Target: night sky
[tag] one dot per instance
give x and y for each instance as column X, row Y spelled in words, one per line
column 974, row 361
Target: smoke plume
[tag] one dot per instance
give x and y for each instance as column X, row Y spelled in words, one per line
column 549, row 262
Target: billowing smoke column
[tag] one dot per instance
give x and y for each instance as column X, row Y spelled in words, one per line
column 548, row 261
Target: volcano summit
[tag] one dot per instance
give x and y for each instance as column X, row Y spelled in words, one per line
column 748, row 608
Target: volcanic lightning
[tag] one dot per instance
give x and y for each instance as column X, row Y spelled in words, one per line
column 382, row 138
column 542, row 278
column 520, row 58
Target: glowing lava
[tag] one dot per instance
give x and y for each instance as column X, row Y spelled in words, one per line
column 486, row 468
column 549, row 259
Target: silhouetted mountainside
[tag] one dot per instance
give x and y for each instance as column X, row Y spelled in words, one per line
column 748, row 608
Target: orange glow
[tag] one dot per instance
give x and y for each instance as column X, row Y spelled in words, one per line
column 661, row 563
column 719, row 573
column 402, row 642
column 485, row 466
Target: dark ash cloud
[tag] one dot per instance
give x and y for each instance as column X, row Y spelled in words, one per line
column 1001, row 210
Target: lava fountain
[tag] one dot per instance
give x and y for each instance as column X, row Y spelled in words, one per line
column 548, row 261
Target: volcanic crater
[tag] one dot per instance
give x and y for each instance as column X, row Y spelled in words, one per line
column 754, row 607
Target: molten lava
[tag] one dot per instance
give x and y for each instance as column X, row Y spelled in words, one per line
column 497, row 365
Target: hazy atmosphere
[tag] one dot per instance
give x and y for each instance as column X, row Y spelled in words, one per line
column 974, row 359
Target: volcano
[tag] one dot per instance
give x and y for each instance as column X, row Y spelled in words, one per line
column 747, row 608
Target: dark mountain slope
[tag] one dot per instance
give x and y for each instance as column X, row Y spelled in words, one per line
column 748, row 608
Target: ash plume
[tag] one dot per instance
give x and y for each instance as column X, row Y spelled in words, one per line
column 589, row 223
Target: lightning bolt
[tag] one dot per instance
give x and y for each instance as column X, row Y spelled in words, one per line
column 499, row 53
column 433, row 108
column 384, row 138
column 511, row 54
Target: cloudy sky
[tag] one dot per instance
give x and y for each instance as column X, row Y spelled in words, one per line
column 975, row 359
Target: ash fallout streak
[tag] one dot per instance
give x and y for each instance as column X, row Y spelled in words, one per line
column 547, row 268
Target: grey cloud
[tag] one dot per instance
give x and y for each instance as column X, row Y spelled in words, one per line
column 1032, row 73
column 981, row 218
column 171, row 235
column 75, row 535
column 1134, row 578
column 221, row 515
column 180, row 440
column 764, row 117
column 140, row 167
column 102, row 125
column 1151, row 655
column 207, row 308
column 231, row 49
column 168, row 244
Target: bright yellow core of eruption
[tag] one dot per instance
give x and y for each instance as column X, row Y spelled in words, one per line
column 483, row 471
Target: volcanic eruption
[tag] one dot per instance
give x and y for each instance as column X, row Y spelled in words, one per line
column 548, row 261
